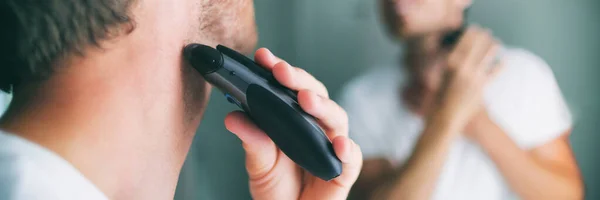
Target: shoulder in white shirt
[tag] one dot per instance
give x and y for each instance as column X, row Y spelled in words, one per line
column 31, row 172
column 524, row 100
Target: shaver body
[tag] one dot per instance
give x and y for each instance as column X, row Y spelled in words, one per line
column 272, row 107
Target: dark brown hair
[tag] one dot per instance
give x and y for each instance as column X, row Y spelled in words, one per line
column 36, row 34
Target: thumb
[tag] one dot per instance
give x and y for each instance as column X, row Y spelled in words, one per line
column 261, row 152
column 351, row 156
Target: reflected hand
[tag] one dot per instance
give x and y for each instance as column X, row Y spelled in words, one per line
column 275, row 176
column 468, row 72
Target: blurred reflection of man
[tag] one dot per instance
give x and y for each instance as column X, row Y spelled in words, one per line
column 480, row 133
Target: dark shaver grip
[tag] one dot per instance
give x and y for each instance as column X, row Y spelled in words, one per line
column 301, row 140
column 257, row 70
column 271, row 106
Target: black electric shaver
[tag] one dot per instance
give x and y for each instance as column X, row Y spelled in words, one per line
column 270, row 105
column 450, row 39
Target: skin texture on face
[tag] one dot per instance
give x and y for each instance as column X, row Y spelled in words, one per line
column 226, row 22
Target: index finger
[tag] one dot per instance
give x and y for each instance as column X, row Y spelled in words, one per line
column 298, row 79
column 265, row 58
column 291, row 77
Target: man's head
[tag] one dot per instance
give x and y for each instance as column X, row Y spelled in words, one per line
column 107, row 78
column 42, row 40
column 413, row 18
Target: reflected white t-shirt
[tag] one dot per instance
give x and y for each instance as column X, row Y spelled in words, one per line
column 524, row 100
column 31, row 172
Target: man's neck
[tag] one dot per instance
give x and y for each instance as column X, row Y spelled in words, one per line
column 418, row 57
column 124, row 131
column 424, row 45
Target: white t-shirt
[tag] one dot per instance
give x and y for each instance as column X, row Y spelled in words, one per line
column 524, row 100
column 31, row 172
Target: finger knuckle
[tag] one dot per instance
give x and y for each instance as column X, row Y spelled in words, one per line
column 325, row 91
column 280, row 63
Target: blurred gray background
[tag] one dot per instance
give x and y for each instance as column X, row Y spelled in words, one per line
column 338, row 39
